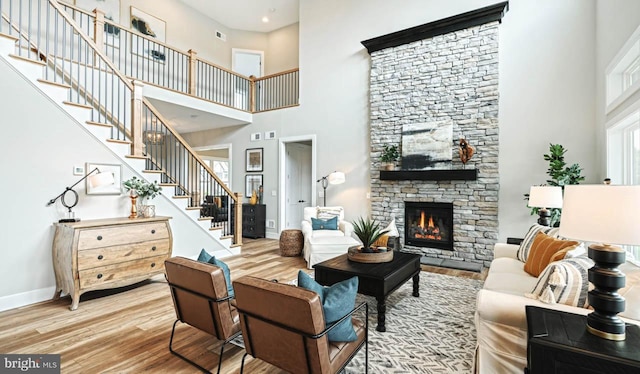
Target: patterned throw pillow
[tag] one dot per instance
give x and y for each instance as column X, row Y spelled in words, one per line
column 542, row 250
column 328, row 212
column 564, row 282
column 525, row 246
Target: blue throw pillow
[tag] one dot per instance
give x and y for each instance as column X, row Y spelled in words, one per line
column 321, row 224
column 337, row 301
column 206, row 257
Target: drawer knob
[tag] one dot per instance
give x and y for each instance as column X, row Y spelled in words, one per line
column 100, row 257
column 153, row 231
column 99, row 276
column 153, row 264
column 99, row 237
column 153, row 248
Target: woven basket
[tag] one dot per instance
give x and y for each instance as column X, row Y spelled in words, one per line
column 291, row 243
column 354, row 254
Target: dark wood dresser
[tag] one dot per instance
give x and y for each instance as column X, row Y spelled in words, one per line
column 254, row 220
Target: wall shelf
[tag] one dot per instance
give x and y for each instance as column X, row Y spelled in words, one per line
column 430, row 175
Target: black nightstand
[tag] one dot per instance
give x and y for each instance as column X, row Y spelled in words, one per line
column 558, row 342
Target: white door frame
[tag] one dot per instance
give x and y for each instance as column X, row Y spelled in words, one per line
column 282, row 182
column 227, row 146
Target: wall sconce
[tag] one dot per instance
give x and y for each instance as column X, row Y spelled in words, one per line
column 97, row 180
column 337, row 177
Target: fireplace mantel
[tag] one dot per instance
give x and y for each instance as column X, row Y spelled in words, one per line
column 430, row 175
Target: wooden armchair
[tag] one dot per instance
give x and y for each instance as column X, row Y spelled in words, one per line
column 284, row 325
column 200, row 299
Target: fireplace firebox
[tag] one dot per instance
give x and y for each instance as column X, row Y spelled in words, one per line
column 428, row 224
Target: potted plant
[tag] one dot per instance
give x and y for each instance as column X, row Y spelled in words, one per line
column 369, row 231
column 389, row 156
column 144, row 191
column 561, row 175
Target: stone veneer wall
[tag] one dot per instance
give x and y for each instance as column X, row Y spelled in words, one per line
column 450, row 76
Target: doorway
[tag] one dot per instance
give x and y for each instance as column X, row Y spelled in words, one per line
column 246, row 62
column 297, row 179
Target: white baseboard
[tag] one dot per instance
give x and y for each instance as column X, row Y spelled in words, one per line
column 26, row 298
column 272, row 235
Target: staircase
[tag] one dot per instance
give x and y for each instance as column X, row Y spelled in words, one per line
column 45, row 46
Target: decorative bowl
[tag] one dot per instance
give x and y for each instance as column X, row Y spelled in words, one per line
column 377, row 256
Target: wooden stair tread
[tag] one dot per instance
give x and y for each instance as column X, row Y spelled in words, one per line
column 3, row 35
column 27, row 59
column 215, row 228
column 235, row 245
column 139, row 158
column 226, row 237
column 168, row 184
column 153, row 171
column 77, row 105
column 93, row 123
column 205, row 218
column 194, row 207
column 119, row 141
column 181, row 196
column 51, row 83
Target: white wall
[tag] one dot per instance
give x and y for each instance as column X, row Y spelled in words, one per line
column 283, row 49
column 40, row 146
column 547, row 94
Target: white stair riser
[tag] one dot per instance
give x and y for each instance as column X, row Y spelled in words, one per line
column 81, row 115
column 100, row 132
column 30, row 70
column 119, row 148
column 56, row 93
column 136, row 163
column 7, row 46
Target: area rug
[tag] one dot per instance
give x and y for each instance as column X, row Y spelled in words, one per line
column 433, row 333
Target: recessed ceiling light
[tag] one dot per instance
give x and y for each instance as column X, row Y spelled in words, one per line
column 265, row 19
column 272, row 10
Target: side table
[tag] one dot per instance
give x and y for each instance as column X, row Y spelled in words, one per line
column 558, row 342
column 291, row 242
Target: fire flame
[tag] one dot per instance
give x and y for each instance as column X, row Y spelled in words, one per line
column 428, row 231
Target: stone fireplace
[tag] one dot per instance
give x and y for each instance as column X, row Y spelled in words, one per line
column 441, row 72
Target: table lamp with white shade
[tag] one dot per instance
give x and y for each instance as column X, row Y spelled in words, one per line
column 545, row 197
column 609, row 215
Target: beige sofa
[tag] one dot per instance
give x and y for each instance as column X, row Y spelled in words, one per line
column 500, row 314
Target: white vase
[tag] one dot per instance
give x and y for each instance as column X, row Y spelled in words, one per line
column 149, row 211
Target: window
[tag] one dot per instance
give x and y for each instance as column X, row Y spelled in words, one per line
column 623, row 73
column 623, row 159
column 219, row 167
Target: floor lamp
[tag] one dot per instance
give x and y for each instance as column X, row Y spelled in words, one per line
column 603, row 214
column 337, row 177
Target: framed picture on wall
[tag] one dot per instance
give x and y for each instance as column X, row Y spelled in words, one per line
column 254, row 159
column 252, row 183
column 111, row 189
column 152, row 28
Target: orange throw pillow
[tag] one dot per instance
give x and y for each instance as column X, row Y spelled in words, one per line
column 543, row 248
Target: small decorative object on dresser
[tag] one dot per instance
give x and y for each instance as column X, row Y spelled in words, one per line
column 108, row 253
column 372, row 250
column 144, row 191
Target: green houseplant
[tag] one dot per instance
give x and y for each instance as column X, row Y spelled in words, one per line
column 560, row 175
column 389, row 156
column 144, row 191
column 368, row 231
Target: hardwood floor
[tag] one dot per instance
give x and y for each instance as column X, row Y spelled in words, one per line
column 127, row 330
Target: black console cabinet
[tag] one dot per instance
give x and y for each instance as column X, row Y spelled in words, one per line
column 254, row 220
column 559, row 343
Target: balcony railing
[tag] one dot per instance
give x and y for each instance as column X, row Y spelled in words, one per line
column 145, row 58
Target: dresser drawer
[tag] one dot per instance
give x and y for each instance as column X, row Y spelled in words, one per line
column 117, row 235
column 121, row 272
column 91, row 258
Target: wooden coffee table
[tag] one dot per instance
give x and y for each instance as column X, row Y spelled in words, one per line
column 377, row 280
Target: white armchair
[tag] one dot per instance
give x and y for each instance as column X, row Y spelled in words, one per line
column 320, row 245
